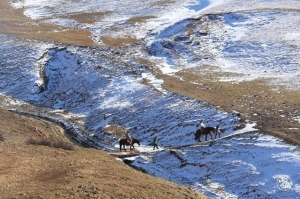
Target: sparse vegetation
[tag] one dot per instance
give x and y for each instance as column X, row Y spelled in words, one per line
column 88, row 17
column 117, row 42
column 46, row 142
column 14, row 23
column 139, row 19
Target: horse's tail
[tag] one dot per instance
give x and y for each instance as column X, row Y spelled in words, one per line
column 120, row 143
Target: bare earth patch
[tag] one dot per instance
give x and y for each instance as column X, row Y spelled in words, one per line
column 47, row 32
column 87, row 17
column 117, row 42
column 140, row 19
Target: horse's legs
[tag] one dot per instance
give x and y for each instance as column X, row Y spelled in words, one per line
column 123, row 147
column 216, row 134
column 199, row 139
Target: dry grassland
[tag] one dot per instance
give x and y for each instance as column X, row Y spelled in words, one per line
column 36, row 171
column 88, row 18
column 117, row 42
column 13, row 22
column 255, row 100
column 140, row 19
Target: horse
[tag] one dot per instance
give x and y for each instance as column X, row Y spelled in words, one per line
column 124, row 142
column 207, row 130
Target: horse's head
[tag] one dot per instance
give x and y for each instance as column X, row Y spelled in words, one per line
column 138, row 142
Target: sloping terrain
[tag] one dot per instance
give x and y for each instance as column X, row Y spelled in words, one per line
column 36, row 171
column 98, row 92
column 247, row 165
column 159, row 69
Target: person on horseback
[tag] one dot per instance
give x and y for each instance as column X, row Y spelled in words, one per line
column 202, row 125
column 128, row 137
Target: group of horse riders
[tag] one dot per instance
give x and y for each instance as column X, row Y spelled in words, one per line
column 203, row 130
column 202, row 125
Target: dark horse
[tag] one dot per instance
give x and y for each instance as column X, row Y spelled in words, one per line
column 124, row 142
column 207, row 131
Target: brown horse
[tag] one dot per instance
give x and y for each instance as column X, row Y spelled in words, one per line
column 207, row 131
column 124, row 142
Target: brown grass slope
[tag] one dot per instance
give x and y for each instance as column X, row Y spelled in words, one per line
column 36, row 171
column 255, row 100
column 13, row 22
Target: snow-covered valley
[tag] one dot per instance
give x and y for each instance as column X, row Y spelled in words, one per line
column 102, row 86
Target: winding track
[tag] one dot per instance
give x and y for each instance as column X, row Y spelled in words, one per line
column 75, row 133
column 124, row 155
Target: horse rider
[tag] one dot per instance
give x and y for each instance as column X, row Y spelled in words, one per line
column 202, row 126
column 128, row 137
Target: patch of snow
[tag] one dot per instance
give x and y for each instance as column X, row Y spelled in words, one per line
column 237, row 167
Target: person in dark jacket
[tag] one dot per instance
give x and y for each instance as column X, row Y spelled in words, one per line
column 155, row 142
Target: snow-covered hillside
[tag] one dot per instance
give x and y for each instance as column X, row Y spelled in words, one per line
column 86, row 82
column 253, row 39
column 245, row 166
column 252, row 45
column 102, row 86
